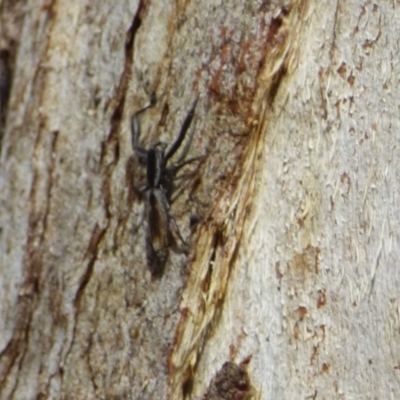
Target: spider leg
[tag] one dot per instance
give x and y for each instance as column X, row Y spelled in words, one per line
column 186, row 124
column 182, row 186
column 176, row 230
column 171, row 177
column 173, row 170
column 135, row 131
column 178, row 193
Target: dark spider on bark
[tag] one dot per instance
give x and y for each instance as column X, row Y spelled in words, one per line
column 159, row 188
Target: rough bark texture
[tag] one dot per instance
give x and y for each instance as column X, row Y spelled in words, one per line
column 292, row 269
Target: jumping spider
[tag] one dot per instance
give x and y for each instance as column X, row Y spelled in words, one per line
column 159, row 188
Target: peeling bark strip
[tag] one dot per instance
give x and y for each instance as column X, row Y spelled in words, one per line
column 205, row 291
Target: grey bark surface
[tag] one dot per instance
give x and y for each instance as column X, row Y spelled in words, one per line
column 291, row 281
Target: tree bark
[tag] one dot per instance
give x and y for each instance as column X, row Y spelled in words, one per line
column 289, row 288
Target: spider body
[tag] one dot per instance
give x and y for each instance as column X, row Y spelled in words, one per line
column 160, row 176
